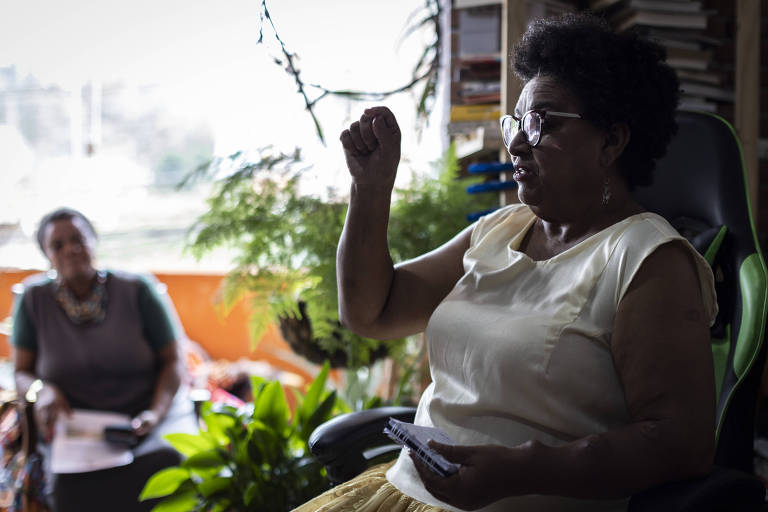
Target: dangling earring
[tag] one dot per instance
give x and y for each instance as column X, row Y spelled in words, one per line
column 606, row 192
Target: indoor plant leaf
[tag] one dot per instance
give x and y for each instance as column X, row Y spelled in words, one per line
column 182, row 502
column 190, row 444
column 312, row 398
column 211, row 486
column 216, row 425
column 164, row 482
column 321, row 414
column 202, row 460
column 271, row 407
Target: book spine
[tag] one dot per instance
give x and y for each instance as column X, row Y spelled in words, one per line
column 401, row 437
column 475, row 112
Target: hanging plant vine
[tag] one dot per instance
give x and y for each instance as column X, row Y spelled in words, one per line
column 425, row 72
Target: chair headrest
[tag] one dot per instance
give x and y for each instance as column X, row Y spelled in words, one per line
column 701, row 177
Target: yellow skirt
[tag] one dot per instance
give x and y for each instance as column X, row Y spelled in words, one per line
column 368, row 492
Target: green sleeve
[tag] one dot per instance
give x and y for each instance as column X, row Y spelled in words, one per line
column 24, row 334
column 157, row 325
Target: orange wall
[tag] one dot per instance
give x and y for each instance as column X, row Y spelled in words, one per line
column 7, row 279
column 194, row 297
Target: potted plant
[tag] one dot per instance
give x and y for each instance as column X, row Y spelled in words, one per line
column 250, row 458
column 285, row 245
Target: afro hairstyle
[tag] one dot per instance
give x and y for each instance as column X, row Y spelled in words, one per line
column 617, row 77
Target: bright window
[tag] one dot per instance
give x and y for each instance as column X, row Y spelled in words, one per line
column 106, row 104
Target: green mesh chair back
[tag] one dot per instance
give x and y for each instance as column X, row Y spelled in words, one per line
column 700, row 187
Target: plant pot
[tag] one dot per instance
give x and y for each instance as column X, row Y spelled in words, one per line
column 297, row 332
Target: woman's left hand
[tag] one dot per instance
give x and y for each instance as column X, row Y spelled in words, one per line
column 485, row 475
column 144, row 422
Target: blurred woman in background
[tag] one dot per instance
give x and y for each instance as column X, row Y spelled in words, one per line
column 98, row 340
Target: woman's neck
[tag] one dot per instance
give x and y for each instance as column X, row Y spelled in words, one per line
column 81, row 286
column 547, row 238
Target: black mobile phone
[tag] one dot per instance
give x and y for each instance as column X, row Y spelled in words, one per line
column 122, row 435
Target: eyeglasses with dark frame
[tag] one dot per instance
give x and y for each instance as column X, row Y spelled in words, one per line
column 530, row 124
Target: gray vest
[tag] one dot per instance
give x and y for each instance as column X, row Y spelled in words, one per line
column 108, row 366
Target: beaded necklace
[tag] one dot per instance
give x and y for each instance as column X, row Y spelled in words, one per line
column 92, row 309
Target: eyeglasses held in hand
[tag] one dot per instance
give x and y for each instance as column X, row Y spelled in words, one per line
column 530, row 124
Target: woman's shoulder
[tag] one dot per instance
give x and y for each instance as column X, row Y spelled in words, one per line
column 131, row 283
column 656, row 223
column 505, row 212
column 638, row 236
column 37, row 280
column 517, row 212
column 129, row 278
column 34, row 285
column 645, row 233
column 648, row 229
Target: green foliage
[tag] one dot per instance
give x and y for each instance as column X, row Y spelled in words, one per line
column 285, row 242
column 432, row 211
column 252, row 458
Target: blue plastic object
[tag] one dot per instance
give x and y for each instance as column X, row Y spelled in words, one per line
column 490, row 186
column 490, row 167
column 472, row 217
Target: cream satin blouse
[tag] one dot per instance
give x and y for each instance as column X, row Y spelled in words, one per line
column 520, row 349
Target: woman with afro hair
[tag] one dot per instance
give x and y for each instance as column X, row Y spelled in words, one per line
column 568, row 334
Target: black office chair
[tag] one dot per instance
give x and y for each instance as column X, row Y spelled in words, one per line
column 700, row 188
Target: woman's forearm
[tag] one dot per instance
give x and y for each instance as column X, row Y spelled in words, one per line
column 168, row 382
column 23, row 380
column 363, row 263
column 616, row 463
column 610, row 465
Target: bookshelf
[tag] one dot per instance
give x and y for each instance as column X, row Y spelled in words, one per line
column 710, row 79
column 679, row 26
column 514, row 22
column 747, row 92
column 482, row 35
column 476, row 70
column 476, row 85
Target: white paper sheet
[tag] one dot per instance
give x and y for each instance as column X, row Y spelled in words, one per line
column 79, row 446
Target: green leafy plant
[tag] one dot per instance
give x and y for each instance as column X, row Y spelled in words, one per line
column 432, row 210
column 285, row 245
column 252, row 458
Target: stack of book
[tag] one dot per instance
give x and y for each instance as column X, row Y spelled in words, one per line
column 549, row 8
column 679, row 26
column 476, row 57
column 477, row 80
column 476, row 64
